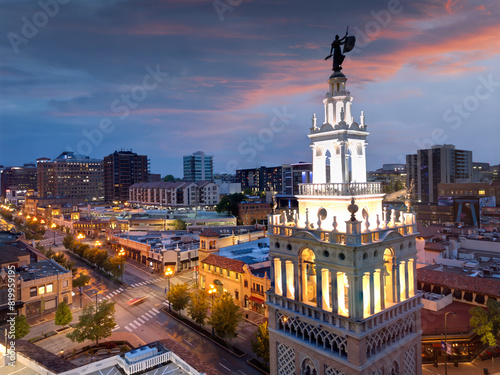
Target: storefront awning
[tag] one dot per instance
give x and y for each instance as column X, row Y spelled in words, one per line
column 258, row 300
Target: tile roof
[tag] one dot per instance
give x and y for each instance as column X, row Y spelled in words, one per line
column 225, row 263
column 434, row 246
column 9, row 254
column 46, row 359
column 209, row 233
column 489, row 287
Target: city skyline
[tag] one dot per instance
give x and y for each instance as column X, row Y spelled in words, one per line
column 169, row 79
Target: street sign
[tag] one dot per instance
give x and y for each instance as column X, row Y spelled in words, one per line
column 446, row 347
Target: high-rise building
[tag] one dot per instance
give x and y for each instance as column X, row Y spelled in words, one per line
column 261, row 178
column 293, row 175
column 343, row 297
column 122, row 169
column 439, row 164
column 70, row 175
column 18, row 178
column 198, row 167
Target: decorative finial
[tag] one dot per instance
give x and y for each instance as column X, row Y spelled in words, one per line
column 362, row 118
column 378, row 222
column 353, row 208
column 307, row 218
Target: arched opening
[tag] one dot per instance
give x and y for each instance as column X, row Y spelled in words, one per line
column 328, row 158
column 390, row 291
column 343, row 293
column 308, row 367
column 308, row 270
column 219, row 286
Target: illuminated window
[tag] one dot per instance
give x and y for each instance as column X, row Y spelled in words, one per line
column 41, row 289
column 482, row 192
column 49, row 288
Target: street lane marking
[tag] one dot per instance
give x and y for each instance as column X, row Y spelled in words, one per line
column 155, row 310
column 132, row 324
column 121, row 290
column 189, row 343
column 142, row 321
column 128, row 329
column 149, row 316
column 241, row 372
column 225, row 367
column 136, row 323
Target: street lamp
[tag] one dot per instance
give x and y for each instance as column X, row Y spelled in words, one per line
column 445, row 345
column 212, row 291
column 169, row 272
column 53, row 226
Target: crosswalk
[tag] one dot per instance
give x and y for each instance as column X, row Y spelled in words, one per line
column 112, row 294
column 155, row 280
column 142, row 319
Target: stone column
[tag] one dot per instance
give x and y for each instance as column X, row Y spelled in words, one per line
column 319, row 285
column 334, row 295
column 372, row 294
column 283, row 277
column 296, row 281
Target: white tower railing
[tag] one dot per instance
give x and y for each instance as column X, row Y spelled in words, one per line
column 341, row 189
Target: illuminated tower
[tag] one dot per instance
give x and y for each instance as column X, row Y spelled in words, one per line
column 343, row 297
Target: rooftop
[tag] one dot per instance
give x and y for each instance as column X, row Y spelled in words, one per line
column 248, row 252
column 9, row 253
column 41, row 269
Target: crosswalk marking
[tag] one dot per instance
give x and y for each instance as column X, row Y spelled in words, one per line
column 136, row 323
column 140, row 320
column 116, row 327
column 149, row 316
column 165, row 303
column 155, row 310
column 132, row 324
column 120, row 290
column 128, row 329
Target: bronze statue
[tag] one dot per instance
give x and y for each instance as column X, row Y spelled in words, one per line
column 348, row 43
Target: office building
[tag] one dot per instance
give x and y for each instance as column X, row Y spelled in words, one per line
column 122, row 169
column 343, row 296
column 261, row 178
column 294, row 174
column 71, row 175
column 19, row 179
column 198, row 167
column 439, row 164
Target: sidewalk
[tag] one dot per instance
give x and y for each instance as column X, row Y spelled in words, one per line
column 465, row 368
column 253, row 317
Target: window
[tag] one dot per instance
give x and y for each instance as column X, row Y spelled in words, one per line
column 246, row 284
column 50, row 288
column 236, row 295
column 482, row 192
column 41, row 289
column 220, row 270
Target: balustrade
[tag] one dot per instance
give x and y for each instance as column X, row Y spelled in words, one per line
column 341, row 189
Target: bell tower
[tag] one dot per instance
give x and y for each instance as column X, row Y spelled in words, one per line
column 343, row 297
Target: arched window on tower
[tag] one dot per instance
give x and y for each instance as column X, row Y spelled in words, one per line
column 328, row 158
column 308, row 269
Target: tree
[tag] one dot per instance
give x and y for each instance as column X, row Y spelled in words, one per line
column 63, row 314
column 486, row 323
column 225, row 316
column 229, row 203
column 169, row 178
column 198, row 306
column 21, row 326
column 81, row 280
column 42, row 306
column 179, row 224
column 68, row 242
column 261, row 344
column 115, row 265
column 178, row 296
column 95, row 322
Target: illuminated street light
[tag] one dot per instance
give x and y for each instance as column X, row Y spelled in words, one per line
column 212, row 291
column 169, row 272
column 97, row 243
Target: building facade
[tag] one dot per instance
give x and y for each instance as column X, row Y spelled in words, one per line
column 174, row 194
column 122, row 169
column 261, row 178
column 293, row 175
column 18, row 179
column 253, row 212
column 71, row 175
column 343, row 299
column 198, row 167
column 439, row 164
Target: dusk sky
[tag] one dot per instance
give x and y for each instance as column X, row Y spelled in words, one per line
column 240, row 80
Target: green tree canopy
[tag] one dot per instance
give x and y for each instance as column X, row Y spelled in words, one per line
column 115, row 265
column 63, row 314
column 68, row 242
column 225, row 316
column 261, row 344
column 81, row 280
column 178, row 296
column 486, row 323
column 179, row 224
column 21, row 326
column 169, row 178
column 229, row 203
column 198, row 306
column 95, row 323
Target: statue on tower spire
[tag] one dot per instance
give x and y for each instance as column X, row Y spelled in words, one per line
column 338, row 58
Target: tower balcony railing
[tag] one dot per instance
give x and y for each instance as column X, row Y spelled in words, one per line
column 341, row 189
column 292, row 307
